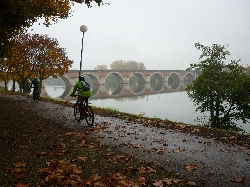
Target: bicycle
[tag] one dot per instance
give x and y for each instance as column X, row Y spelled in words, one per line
column 36, row 94
column 87, row 112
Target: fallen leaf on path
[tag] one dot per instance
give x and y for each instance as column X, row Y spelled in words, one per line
column 191, row 184
column 198, row 151
column 225, row 150
column 80, row 158
column 20, row 176
column 239, row 180
column 232, row 139
column 141, row 170
column 140, row 181
column 190, row 167
column 176, row 150
column 20, row 164
column 159, row 141
column 211, row 172
column 205, row 143
column 167, row 181
column 22, row 185
column 158, row 183
column 150, row 170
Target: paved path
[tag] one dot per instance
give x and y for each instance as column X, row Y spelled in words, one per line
column 205, row 161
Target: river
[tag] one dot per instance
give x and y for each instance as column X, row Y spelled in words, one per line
column 175, row 106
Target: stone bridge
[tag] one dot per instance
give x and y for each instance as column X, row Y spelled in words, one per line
column 163, row 81
column 123, row 76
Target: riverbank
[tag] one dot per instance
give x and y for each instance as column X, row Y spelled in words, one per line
column 40, row 133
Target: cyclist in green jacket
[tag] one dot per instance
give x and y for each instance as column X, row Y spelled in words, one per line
column 83, row 89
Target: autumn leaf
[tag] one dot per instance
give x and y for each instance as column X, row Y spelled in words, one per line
column 208, row 143
column 150, row 170
column 158, row 183
column 225, row 150
column 191, row 184
column 20, row 164
column 109, row 153
column 190, row 167
column 232, row 139
column 81, row 158
column 167, row 181
column 176, row 150
column 211, row 172
column 20, row 176
column 239, row 180
column 22, row 185
column 140, row 181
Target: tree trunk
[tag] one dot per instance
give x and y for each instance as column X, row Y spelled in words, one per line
column 5, row 85
column 14, row 85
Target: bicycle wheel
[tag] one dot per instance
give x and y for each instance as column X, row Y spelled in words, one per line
column 89, row 116
column 77, row 113
column 36, row 96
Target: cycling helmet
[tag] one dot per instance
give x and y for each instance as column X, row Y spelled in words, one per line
column 81, row 78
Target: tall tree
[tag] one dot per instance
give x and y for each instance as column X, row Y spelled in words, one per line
column 38, row 56
column 221, row 89
column 18, row 15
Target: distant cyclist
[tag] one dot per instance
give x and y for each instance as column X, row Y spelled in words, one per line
column 83, row 89
column 36, row 86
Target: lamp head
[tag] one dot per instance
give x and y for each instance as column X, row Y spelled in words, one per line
column 83, row 28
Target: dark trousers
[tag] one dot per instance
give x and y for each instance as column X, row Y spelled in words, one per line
column 86, row 100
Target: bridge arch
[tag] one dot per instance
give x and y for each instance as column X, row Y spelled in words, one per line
column 174, row 81
column 156, row 81
column 118, row 90
column 140, row 77
column 188, row 79
column 137, row 88
column 137, row 82
column 68, row 86
column 91, row 79
column 67, row 82
column 117, row 75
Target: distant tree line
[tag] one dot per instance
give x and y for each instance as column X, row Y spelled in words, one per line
column 123, row 65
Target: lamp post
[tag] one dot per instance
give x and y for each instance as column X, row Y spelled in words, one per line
column 83, row 29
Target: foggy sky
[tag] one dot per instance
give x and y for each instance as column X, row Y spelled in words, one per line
column 159, row 33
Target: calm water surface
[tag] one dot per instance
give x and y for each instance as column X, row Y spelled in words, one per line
column 175, row 106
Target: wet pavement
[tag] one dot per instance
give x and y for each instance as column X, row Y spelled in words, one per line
column 205, row 161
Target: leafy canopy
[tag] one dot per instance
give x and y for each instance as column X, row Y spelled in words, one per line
column 18, row 15
column 221, row 89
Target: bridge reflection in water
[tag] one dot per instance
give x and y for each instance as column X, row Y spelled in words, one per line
column 124, row 90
